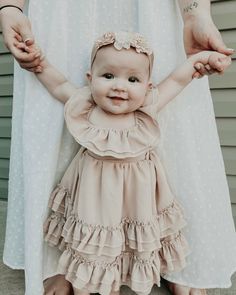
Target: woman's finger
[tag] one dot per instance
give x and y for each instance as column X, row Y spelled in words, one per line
column 18, row 37
column 216, row 43
column 26, row 33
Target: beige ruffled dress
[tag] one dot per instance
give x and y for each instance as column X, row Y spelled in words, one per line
column 113, row 214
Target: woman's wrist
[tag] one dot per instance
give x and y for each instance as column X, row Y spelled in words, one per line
column 10, row 6
column 193, row 9
column 19, row 4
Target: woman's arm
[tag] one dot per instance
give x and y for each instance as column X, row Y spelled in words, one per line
column 190, row 8
column 183, row 75
column 19, row 3
column 200, row 32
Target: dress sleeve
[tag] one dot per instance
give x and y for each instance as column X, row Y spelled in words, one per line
column 151, row 104
column 82, row 94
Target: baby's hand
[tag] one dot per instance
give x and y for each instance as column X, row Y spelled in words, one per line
column 210, row 62
column 35, row 64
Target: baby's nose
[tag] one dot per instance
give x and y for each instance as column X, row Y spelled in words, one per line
column 119, row 85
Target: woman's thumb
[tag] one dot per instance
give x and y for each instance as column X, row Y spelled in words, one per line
column 217, row 44
column 27, row 36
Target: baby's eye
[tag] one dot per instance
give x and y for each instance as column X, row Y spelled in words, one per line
column 133, row 79
column 108, row 76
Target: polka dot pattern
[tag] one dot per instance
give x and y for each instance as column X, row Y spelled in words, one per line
column 42, row 147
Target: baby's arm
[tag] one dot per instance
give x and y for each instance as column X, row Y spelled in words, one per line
column 55, row 82
column 183, row 75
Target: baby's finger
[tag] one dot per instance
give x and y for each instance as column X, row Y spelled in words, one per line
column 197, row 75
column 21, row 45
column 37, row 69
column 210, row 70
column 219, row 62
column 33, row 70
column 26, row 57
column 30, row 64
column 223, row 64
column 199, row 67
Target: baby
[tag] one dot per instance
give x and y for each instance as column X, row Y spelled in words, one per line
column 113, row 214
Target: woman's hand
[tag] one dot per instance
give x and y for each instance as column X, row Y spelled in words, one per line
column 31, row 50
column 200, row 33
column 16, row 27
column 57, row 285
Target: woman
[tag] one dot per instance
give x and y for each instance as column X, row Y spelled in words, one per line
column 57, row 26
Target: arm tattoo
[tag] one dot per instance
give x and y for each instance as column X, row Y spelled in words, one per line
column 190, row 7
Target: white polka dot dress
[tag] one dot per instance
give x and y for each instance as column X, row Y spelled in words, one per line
column 42, row 147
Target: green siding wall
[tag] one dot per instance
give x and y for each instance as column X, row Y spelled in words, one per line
column 6, row 82
column 223, row 89
column 223, row 92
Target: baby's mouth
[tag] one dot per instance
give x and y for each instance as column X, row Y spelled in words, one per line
column 117, row 98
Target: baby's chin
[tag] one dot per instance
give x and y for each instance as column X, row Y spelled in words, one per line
column 118, row 111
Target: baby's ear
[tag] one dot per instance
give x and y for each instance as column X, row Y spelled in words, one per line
column 89, row 76
column 150, row 85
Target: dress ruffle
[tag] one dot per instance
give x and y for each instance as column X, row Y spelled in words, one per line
column 103, row 277
column 162, row 232
column 119, row 143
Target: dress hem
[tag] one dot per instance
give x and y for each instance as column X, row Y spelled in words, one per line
column 207, row 286
column 15, row 267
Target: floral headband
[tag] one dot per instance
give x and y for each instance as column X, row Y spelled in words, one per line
column 125, row 40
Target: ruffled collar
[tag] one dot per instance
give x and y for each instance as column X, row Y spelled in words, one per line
column 118, row 143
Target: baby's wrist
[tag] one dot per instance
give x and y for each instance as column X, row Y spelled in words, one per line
column 192, row 59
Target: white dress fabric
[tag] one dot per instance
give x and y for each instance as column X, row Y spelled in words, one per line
column 42, row 147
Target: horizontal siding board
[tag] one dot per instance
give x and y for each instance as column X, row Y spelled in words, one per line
column 4, row 168
column 234, row 211
column 3, row 188
column 232, row 187
column 223, row 14
column 229, row 37
column 6, row 64
column 6, row 85
column 5, row 146
column 225, row 81
column 227, row 131
column 5, row 106
column 224, row 101
column 3, row 48
column 5, row 127
column 229, row 155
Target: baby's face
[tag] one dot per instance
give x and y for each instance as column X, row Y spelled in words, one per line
column 119, row 79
